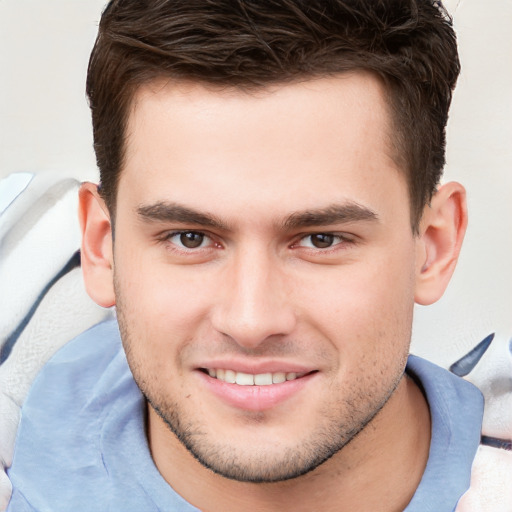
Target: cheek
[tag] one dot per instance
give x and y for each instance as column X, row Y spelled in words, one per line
column 363, row 307
column 159, row 314
column 159, row 294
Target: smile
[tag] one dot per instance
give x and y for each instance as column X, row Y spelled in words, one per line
column 258, row 391
column 249, row 379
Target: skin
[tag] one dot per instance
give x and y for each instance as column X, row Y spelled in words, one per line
column 306, row 259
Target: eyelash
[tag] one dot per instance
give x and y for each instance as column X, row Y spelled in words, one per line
column 342, row 241
column 167, row 237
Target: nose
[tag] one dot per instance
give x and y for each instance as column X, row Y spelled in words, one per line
column 253, row 304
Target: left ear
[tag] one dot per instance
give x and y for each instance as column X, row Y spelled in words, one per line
column 441, row 232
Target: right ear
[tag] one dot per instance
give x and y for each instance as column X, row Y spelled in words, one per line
column 97, row 251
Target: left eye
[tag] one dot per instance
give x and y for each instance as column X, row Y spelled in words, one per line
column 320, row 240
column 189, row 239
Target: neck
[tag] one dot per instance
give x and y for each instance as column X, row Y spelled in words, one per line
column 380, row 469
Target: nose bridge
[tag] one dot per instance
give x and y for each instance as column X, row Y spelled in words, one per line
column 254, row 305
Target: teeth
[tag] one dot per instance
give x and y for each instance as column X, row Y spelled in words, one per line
column 244, row 379
column 230, row 376
column 278, row 377
column 248, row 379
column 263, row 379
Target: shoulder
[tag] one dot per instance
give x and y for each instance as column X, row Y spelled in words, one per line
column 82, row 440
column 59, row 440
column 80, row 372
column 456, row 411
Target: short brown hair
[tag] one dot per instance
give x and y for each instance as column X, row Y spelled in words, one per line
column 409, row 44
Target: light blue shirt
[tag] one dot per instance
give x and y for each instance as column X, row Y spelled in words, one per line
column 82, row 446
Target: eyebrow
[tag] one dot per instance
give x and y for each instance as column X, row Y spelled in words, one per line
column 332, row 214
column 172, row 212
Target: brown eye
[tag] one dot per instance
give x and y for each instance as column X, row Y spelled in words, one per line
column 191, row 240
column 321, row 240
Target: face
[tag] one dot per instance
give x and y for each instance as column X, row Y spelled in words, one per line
column 264, row 269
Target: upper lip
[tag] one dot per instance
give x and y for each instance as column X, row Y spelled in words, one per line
column 256, row 368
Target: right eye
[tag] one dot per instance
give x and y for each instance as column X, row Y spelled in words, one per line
column 319, row 240
column 189, row 240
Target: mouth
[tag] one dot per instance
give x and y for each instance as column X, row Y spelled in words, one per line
column 256, row 392
column 249, row 379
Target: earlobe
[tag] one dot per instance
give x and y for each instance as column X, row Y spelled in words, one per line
column 97, row 250
column 442, row 230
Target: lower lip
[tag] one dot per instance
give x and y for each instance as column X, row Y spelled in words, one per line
column 255, row 398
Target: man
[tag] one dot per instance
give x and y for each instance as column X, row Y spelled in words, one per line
column 269, row 212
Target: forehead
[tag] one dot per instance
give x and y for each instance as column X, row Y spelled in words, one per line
column 324, row 139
